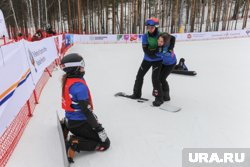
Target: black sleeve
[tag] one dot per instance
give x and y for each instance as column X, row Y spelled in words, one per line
column 172, row 43
column 150, row 53
column 91, row 119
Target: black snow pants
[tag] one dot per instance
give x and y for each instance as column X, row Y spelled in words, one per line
column 88, row 138
column 145, row 66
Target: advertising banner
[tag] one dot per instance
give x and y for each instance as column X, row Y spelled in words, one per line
column 17, row 85
column 1, row 57
column 134, row 38
column 129, row 38
column 117, row 38
column 212, row 35
column 40, row 54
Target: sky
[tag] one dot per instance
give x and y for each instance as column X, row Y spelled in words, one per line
column 215, row 107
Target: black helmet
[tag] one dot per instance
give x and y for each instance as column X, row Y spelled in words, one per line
column 71, row 63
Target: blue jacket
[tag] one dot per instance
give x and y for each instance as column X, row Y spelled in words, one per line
column 78, row 91
column 168, row 58
column 145, row 41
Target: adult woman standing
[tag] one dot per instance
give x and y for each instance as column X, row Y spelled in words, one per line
column 151, row 59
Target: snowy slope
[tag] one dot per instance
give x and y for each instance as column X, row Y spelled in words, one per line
column 215, row 107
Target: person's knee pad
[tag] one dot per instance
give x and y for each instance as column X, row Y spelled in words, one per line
column 78, row 143
column 81, row 144
column 72, row 147
column 74, row 143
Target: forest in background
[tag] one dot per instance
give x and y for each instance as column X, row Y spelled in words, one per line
column 123, row 16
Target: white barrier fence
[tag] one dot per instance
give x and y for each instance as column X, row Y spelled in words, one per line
column 21, row 66
column 134, row 38
column 212, row 35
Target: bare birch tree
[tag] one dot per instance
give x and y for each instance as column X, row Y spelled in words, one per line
column 14, row 15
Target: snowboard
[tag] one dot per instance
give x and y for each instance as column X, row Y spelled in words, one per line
column 63, row 142
column 122, row 94
column 184, row 72
column 165, row 106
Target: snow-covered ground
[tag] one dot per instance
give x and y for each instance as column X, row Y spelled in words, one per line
column 215, row 107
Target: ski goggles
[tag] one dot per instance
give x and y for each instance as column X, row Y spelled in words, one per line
column 73, row 64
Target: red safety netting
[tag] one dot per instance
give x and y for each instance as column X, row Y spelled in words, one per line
column 13, row 133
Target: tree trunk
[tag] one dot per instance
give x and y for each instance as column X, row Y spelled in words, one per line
column 60, row 17
column 236, row 14
column 87, row 18
column 156, row 9
column 187, row 15
column 225, row 15
column 102, row 11
column 135, row 24
column 79, row 17
column 75, row 27
column 246, row 15
column 174, row 6
column 107, row 17
column 140, row 15
column 149, row 8
column 218, row 17
column 114, row 17
column 125, row 17
column 208, row 22
column 69, row 18
column 121, row 18
column 180, row 16
column 192, row 15
column 145, row 15
column 38, row 14
column 203, row 15
column 14, row 15
column 236, row 9
column 46, row 11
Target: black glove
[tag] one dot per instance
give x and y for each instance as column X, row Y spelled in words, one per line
column 152, row 53
column 101, row 133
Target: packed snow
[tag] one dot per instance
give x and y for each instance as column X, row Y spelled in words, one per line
column 215, row 107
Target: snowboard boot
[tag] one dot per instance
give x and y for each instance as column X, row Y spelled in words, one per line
column 158, row 101
column 71, row 148
column 135, row 96
column 166, row 96
column 137, row 89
